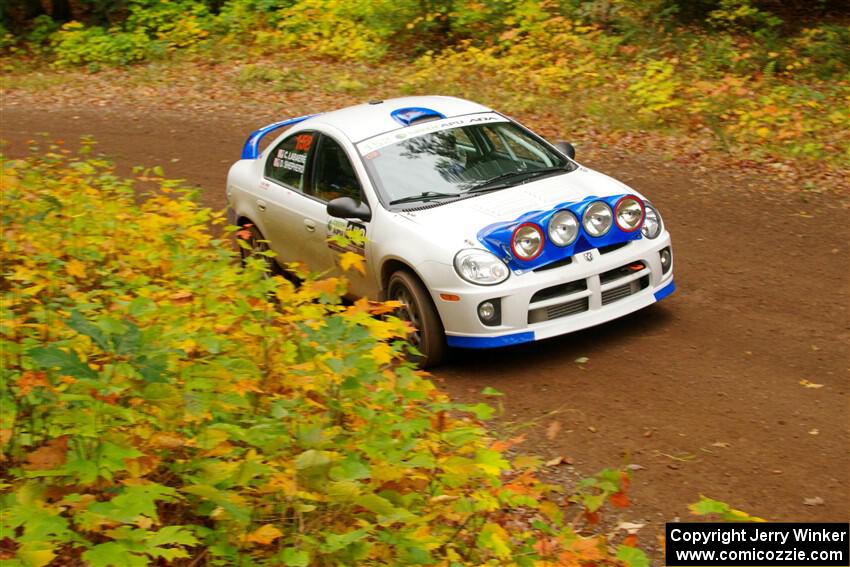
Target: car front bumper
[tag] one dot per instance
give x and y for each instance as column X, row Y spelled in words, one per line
column 595, row 287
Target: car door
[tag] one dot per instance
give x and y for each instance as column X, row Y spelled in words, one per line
column 332, row 176
column 294, row 222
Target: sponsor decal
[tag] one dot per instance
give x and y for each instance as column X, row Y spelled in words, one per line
column 366, row 147
column 342, row 227
column 290, row 160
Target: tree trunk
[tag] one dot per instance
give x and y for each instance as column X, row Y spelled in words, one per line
column 60, row 10
column 32, row 9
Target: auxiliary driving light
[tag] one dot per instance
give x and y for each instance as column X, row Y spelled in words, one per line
column 563, row 228
column 629, row 213
column 527, row 241
column 597, row 218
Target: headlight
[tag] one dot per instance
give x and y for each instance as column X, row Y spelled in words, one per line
column 597, row 218
column 480, row 267
column 527, row 242
column 628, row 213
column 563, row 228
column 652, row 224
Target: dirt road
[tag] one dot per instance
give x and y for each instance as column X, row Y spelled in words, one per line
column 702, row 391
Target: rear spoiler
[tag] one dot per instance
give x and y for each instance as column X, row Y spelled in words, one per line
column 251, row 149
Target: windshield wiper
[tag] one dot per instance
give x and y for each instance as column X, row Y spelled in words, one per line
column 424, row 196
column 500, row 181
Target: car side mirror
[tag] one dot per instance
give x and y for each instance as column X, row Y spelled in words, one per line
column 348, row 208
column 566, row 148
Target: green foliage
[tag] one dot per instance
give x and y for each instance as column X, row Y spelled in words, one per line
column 151, row 29
column 734, row 71
column 656, row 90
column 159, row 402
column 721, row 510
column 757, row 102
column 178, row 25
column 824, row 49
column 7, row 40
column 75, row 44
column 741, row 14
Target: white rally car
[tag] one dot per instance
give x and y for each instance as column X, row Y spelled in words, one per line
column 485, row 232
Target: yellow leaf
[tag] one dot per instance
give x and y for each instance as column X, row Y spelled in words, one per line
column 382, row 353
column 283, row 482
column 805, row 383
column 495, row 538
column 33, row 289
column 22, row 273
column 443, row 498
column 187, row 345
column 264, row 535
column 75, row 268
column 36, row 557
column 143, row 521
column 243, row 386
column 354, row 260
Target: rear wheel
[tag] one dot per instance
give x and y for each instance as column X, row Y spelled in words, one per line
column 417, row 308
column 257, row 246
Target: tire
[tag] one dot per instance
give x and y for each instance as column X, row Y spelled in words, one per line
column 417, row 308
column 258, row 244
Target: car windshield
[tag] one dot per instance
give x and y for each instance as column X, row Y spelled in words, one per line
column 446, row 163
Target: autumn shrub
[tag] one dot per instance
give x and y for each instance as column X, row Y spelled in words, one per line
column 94, row 46
column 7, row 40
column 152, row 29
column 160, row 404
column 757, row 108
column 733, row 72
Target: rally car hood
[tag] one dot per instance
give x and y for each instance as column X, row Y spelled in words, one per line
column 459, row 222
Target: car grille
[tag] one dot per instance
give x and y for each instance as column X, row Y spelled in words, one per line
column 565, row 309
column 623, row 291
column 572, row 298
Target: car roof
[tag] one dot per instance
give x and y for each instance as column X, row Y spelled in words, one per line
column 372, row 118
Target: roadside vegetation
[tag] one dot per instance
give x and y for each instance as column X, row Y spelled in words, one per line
column 161, row 403
column 758, row 79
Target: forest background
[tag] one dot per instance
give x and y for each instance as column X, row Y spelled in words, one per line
column 145, row 419
column 759, row 79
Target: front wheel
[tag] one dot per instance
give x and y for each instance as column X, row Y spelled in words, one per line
column 417, row 308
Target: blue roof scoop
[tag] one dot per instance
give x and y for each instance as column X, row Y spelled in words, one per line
column 407, row 116
column 251, row 149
